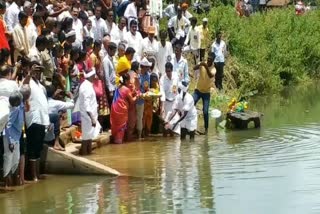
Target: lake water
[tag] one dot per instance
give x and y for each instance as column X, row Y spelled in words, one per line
column 272, row 170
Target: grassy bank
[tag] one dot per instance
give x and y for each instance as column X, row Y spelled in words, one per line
column 269, row 51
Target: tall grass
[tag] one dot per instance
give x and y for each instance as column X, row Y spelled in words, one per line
column 268, row 51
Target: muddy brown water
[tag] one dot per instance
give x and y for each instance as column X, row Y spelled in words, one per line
column 275, row 169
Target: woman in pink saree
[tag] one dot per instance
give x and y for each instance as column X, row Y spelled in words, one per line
column 122, row 99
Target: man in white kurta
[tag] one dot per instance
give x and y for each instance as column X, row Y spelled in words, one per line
column 193, row 39
column 88, row 106
column 20, row 37
column 184, row 105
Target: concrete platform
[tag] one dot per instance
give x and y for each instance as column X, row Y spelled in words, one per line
column 69, row 162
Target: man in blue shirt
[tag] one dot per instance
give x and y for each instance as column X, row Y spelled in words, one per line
column 144, row 83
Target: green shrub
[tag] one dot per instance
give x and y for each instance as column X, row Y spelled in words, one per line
column 269, row 50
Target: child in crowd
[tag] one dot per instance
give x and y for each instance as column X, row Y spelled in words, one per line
column 55, row 108
column 11, row 138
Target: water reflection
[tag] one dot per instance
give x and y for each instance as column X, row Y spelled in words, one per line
column 271, row 170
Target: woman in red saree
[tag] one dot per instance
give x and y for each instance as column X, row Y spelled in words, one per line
column 122, row 99
column 3, row 29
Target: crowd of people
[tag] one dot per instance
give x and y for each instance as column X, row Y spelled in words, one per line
column 100, row 65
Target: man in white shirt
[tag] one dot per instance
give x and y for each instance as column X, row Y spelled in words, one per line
column 37, row 118
column 109, row 21
column 169, row 91
column 131, row 12
column 180, row 64
column 193, row 39
column 219, row 50
column 150, row 44
column 11, row 15
column 178, row 26
column 109, row 71
column 77, row 26
column 134, row 39
column 99, row 26
column 164, row 52
column 118, row 32
column 171, row 9
column 184, row 104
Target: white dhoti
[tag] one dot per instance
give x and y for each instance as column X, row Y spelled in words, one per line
column 189, row 123
column 88, row 131
column 10, row 159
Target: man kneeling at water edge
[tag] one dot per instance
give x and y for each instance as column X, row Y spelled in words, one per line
column 184, row 107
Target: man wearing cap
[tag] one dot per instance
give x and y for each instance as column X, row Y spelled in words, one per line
column 204, row 38
column 150, row 44
column 144, row 83
column 70, row 38
column 90, row 126
column 109, row 71
column 184, row 106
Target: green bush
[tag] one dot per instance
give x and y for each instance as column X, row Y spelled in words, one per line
column 268, row 51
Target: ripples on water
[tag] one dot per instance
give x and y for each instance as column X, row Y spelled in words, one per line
column 272, row 170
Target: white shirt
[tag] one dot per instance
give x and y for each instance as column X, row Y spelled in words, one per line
column 110, row 27
column 77, row 26
column 131, row 13
column 180, row 68
column 109, row 73
column 148, row 47
column 194, row 37
column 179, row 25
column 11, row 16
column 134, row 41
column 99, row 28
column 39, row 111
column 64, row 15
column 7, row 87
column 219, row 50
column 117, row 34
column 35, row 55
column 57, row 105
column 162, row 56
column 169, row 11
column 168, row 87
column 88, row 33
column 187, row 105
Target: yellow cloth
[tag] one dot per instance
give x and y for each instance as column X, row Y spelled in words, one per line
column 123, row 65
column 205, row 82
